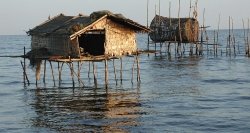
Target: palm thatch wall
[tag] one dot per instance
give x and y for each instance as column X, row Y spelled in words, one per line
column 167, row 29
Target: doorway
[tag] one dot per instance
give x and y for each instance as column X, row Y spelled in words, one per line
column 92, row 42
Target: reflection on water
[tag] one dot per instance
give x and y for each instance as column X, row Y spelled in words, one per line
column 61, row 109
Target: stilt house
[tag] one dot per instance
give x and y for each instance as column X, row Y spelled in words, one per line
column 184, row 30
column 101, row 33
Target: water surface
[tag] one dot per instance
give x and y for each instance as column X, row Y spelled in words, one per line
column 187, row 94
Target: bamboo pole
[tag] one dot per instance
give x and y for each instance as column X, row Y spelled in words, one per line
column 147, row 24
column 233, row 37
column 94, row 74
column 229, row 36
column 218, row 30
column 179, row 25
column 121, row 69
column 24, row 61
column 106, row 73
column 214, row 43
column 52, row 71
column 133, row 67
column 244, row 36
column 44, row 72
column 170, row 14
column 247, row 51
column 155, row 29
column 74, row 73
column 38, row 68
column 138, row 69
column 89, row 70
column 60, row 73
column 25, row 74
column 114, row 71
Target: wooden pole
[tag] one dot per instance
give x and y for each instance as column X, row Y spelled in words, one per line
column 121, row 70
column 115, row 71
column 214, row 42
column 89, row 70
column 233, row 37
column 25, row 74
column 106, row 73
column 38, row 68
column 44, row 72
column 155, row 29
column 179, row 11
column 138, row 69
column 170, row 14
column 244, row 36
column 147, row 24
column 52, row 71
column 60, row 73
column 94, row 74
column 78, row 72
column 72, row 73
column 229, row 37
column 133, row 67
column 217, row 40
column 247, row 51
column 169, row 53
column 24, row 67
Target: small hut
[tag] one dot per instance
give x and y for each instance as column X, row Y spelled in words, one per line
column 101, row 33
column 167, row 29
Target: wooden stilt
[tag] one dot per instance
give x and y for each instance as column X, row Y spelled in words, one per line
column 89, row 70
column 24, row 61
column 44, row 72
column 79, row 71
column 60, row 73
column 121, row 70
column 214, row 45
column 169, row 48
column 147, row 24
column 25, row 77
column 71, row 73
column 133, row 68
column 38, row 68
column 138, row 69
column 106, row 73
column 52, row 71
column 115, row 71
column 94, row 74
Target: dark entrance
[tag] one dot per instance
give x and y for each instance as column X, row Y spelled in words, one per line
column 92, row 42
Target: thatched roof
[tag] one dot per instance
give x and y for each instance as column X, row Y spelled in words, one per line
column 69, row 25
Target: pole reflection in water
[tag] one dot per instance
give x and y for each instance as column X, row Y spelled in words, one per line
column 86, row 110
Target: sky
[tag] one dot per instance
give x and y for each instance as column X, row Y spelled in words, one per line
column 18, row 16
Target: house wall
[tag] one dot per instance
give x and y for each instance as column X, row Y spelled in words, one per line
column 57, row 45
column 119, row 40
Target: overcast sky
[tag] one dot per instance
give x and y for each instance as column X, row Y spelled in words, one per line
column 18, row 16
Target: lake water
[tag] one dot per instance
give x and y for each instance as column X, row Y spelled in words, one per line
column 177, row 94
